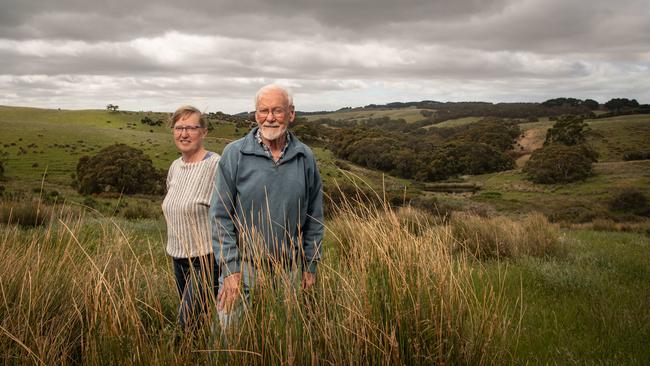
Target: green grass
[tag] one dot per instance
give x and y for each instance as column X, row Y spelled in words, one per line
column 408, row 114
column 588, row 198
column 455, row 122
column 54, row 140
column 591, row 307
column 544, row 123
column 614, row 136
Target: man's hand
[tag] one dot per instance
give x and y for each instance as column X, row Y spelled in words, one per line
column 308, row 280
column 229, row 295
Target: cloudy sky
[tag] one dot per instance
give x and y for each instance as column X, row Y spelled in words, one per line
column 157, row 55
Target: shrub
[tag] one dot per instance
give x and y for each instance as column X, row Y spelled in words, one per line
column 120, row 169
column 342, row 165
column 630, row 201
column 90, row 202
column 558, row 163
column 24, row 213
column 139, row 211
column 432, row 206
column 604, row 225
column 2, row 168
column 568, row 130
column 636, row 155
column 500, row 237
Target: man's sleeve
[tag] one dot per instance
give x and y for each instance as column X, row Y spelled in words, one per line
column 224, row 233
column 313, row 228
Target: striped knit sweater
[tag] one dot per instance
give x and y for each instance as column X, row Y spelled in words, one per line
column 186, row 207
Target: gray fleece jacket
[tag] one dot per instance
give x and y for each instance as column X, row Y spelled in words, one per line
column 265, row 210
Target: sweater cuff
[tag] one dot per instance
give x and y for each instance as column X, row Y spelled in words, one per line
column 309, row 266
column 231, row 268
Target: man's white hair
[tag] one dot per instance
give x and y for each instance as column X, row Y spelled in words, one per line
column 287, row 93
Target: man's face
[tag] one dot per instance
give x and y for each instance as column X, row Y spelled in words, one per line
column 273, row 114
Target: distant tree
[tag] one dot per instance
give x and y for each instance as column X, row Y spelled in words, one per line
column 557, row 163
column 591, row 104
column 112, row 107
column 562, row 102
column 2, row 168
column 621, row 103
column 568, row 130
column 119, row 168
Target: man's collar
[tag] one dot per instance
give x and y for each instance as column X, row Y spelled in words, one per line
column 258, row 137
column 251, row 146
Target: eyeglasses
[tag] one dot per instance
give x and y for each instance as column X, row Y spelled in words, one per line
column 189, row 129
column 277, row 112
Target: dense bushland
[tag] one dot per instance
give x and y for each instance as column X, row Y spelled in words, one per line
column 565, row 156
column 473, row 149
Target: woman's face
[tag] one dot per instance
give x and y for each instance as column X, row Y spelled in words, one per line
column 188, row 134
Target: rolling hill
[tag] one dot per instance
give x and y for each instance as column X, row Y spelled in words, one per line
column 42, row 147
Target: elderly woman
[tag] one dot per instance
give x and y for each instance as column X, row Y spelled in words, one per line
column 190, row 186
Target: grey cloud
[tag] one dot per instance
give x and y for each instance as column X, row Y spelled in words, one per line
column 219, row 52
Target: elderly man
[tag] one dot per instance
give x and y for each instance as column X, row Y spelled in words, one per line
column 268, row 209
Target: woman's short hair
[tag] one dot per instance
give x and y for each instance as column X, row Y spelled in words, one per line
column 186, row 111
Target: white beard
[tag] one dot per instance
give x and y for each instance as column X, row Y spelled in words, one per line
column 272, row 134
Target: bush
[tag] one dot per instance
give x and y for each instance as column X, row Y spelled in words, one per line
column 342, row 165
column 432, row 206
column 636, row 155
column 24, row 213
column 575, row 211
column 500, row 237
column 558, row 163
column 630, row 201
column 604, row 225
column 139, row 211
column 568, row 130
column 348, row 196
column 119, row 169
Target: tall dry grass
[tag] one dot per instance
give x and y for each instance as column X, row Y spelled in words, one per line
column 501, row 237
column 390, row 291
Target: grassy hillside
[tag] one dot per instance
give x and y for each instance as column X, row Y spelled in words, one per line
column 407, row 114
column 92, row 284
column 39, row 140
column 454, row 122
column 36, row 140
column 613, row 137
column 584, row 201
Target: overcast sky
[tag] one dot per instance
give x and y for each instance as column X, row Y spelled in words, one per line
column 214, row 54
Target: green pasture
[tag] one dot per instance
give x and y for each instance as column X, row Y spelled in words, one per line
column 588, row 305
column 35, row 141
column 591, row 307
column 409, row 115
column 613, row 137
column 509, row 192
column 38, row 143
column 455, row 122
column 543, row 123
